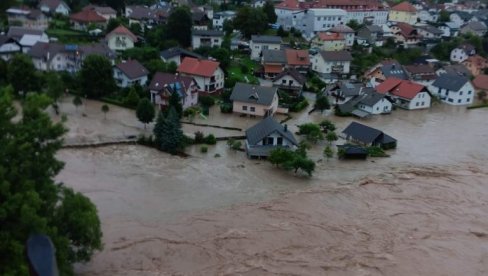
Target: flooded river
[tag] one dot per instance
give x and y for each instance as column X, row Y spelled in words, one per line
column 422, row 211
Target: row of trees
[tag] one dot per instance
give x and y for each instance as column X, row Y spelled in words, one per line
column 292, row 160
column 31, row 201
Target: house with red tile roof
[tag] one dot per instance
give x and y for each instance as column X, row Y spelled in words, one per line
column 406, row 34
column 163, row 85
column 130, row 72
column 327, row 41
column 405, row 93
column 82, row 19
column 476, row 64
column 207, row 74
column 403, row 12
column 120, row 39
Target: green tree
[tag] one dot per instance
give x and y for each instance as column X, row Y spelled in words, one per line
column 22, row 74
column 322, row 103
column 96, row 77
column 168, row 133
column 250, row 21
column 77, row 101
column 311, row 131
column 327, row 125
column 31, row 201
column 444, row 16
column 353, row 24
column 105, row 110
column 331, row 137
column 145, row 112
column 328, row 152
column 132, row 98
column 304, row 164
column 180, row 25
column 228, row 27
column 222, row 55
column 280, row 156
column 269, row 10
column 175, row 102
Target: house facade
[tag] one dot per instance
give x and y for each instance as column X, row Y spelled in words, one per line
column 332, row 62
column 27, row 18
column 320, row 20
column 266, row 136
column 453, row 89
column 81, row 20
column 462, row 52
column 220, row 17
column 54, row 6
column 263, row 42
column 206, row 38
column 367, row 136
column 121, row 39
column 403, row 12
column 207, row 74
column 290, row 80
column 254, row 100
column 346, row 31
column 405, row 93
column 375, row 103
column 327, row 41
column 163, row 85
column 130, row 72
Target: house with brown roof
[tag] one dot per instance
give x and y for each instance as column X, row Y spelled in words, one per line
column 406, row 34
column 54, row 6
column 290, row 80
column 476, row 64
column 403, row 12
column 81, row 20
column 298, row 60
column 207, row 74
column 480, row 83
column 332, row 65
column 346, row 31
column 121, row 39
column 130, row 72
column 275, row 61
column 405, row 93
column 387, row 68
column 327, row 41
column 164, row 85
column 421, row 73
column 104, row 11
column 27, row 18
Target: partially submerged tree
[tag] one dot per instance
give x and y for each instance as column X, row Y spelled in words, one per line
column 145, row 112
column 292, row 160
column 77, row 101
column 31, row 201
column 22, row 74
column 105, row 110
column 322, row 103
column 168, row 133
column 331, row 137
column 328, row 152
column 96, row 77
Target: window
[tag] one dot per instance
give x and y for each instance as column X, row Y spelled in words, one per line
column 468, row 100
column 280, row 141
column 450, row 100
column 269, row 141
column 283, row 81
column 423, row 103
column 459, row 101
column 244, row 107
column 461, row 93
column 469, row 92
column 253, row 109
column 417, row 104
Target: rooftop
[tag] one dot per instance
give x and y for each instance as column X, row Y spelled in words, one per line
column 132, row 69
column 256, row 94
column 198, row 67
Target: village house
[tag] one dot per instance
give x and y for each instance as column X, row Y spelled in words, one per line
column 462, row 52
column 206, row 38
column 370, row 35
column 367, row 136
column 475, row 28
column 200, row 20
column 266, row 136
column 54, row 7
column 290, row 80
column 177, row 54
column 298, row 60
column 373, row 103
column 319, row 20
column 81, row 20
column 121, row 39
column 457, row 69
column 453, row 89
column 332, row 63
column 104, row 11
column 26, row 37
column 429, row 32
column 460, row 18
column 383, row 70
column 421, row 73
column 263, row 42
column 403, row 12
column 27, row 18
column 346, row 31
column 428, row 16
column 480, row 83
column 207, row 74
column 327, row 41
column 9, row 47
column 405, row 34
column 405, row 93
column 275, row 61
column 254, row 100
column 344, row 91
column 145, row 16
column 163, row 85
column 476, row 64
column 220, row 17
column 130, row 72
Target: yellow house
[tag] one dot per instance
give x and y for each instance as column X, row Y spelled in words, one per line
column 403, row 12
column 121, row 39
column 327, row 41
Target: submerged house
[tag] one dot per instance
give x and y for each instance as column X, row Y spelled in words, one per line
column 266, row 136
column 368, row 136
column 254, row 100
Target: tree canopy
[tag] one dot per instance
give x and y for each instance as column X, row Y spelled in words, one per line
column 30, row 199
column 96, row 77
column 250, row 21
column 22, row 74
column 180, row 25
column 168, row 133
column 145, row 111
column 269, row 10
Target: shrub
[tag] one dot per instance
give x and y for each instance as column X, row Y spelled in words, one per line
column 376, row 152
column 199, row 138
column 203, row 149
column 210, row 139
column 244, row 68
column 216, row 155
column 327, row 125
column 226, row 108
column 207, row 101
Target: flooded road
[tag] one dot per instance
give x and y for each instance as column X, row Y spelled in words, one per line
column 422, row 211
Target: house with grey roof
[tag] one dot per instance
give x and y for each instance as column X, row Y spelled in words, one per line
column 259, row 43
column 367, row 136
column 220, row 17
column 54, row 7
column 429, row 32
column 9, row 47
column 290, row 80
column 254, row 100
column 475, row 27
column 130, row 72
column 206, row 38
column 370, row 35
column 375, row 103
column 453, row 89
column 361, row 101
column 332, row 64
column 344, row 91
column 386, row 69
column 177, row 54
column 266, row 136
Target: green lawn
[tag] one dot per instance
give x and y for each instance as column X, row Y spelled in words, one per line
column 71, row 36
column 235, row 69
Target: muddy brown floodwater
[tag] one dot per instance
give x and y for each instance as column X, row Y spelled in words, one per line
column 423, row 211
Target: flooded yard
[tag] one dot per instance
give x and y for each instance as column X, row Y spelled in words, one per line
column 419, row 212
